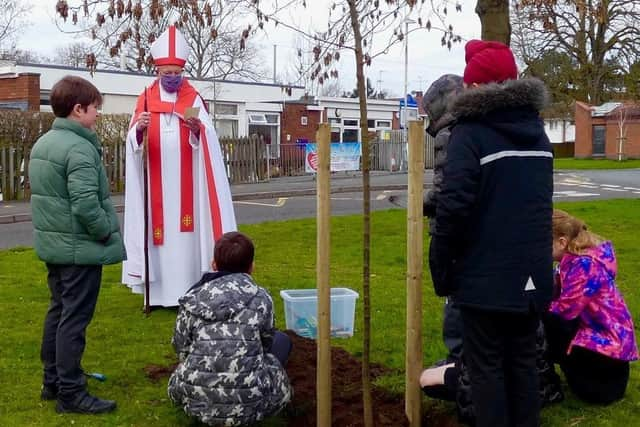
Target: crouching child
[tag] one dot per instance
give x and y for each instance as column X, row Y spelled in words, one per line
column 231, row 369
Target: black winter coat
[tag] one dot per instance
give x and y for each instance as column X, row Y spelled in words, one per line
column 492, row 245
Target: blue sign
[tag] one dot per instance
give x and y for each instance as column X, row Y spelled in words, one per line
column 411, row 102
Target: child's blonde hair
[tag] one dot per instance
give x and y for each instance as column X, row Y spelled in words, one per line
column 575, row 231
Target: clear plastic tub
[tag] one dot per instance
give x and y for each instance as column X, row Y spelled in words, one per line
column 301, row 311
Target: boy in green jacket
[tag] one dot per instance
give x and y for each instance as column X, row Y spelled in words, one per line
column 76, row 232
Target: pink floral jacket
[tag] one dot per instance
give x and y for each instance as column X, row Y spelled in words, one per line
column 588, row 291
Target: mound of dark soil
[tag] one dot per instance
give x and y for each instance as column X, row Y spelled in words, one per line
column 346, row 399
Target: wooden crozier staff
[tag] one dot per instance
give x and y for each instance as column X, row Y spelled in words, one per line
column 145, row 192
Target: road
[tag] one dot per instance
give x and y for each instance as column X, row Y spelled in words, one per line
column 569, row 186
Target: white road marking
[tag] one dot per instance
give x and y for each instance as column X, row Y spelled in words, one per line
column 381, row 197
column 572, row 194
column 577, row 181
column 609, row 185
column 632, row 188
column 613, row 189
column 280, row 203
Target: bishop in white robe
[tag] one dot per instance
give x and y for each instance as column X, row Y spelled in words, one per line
column 188, row 195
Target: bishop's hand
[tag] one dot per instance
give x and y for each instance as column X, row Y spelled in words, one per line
column 193, row 123
column 143, row 121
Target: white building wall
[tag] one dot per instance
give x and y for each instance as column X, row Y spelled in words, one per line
column 560, row 130
column 118, row 104
column 119, row 86
column 349, row 108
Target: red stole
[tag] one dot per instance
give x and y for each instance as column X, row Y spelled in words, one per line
column 154, row 105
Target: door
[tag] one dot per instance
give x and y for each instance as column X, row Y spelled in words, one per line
column 598, row 141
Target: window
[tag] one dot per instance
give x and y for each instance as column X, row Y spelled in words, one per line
column 257, row 119
column 350, row 135
column 598, row 140
column 350, row 122
column 335, row 121
column 225, row 119
column 371, row 124
column 268, row 133
column 267, row 126
column 303, row 120
column 227, row 128
column 384, row 124
column 272, row 118
column 226, row 109
column 335, row 134
column 44, row 98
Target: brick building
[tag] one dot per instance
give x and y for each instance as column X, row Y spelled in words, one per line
column 20, row 91
column 300, row 121
column 607, row 131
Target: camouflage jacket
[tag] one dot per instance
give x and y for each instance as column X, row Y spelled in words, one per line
column 226, row 377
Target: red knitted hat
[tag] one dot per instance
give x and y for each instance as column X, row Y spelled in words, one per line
column 489, row 62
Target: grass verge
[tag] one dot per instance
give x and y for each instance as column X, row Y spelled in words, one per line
column 121, row 341
column 581, row 164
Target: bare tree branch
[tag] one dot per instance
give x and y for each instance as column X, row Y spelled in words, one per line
column 596, row 34
column 213, row 29
column 13, row 19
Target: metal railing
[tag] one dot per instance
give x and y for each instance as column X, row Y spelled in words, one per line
column 247, row 159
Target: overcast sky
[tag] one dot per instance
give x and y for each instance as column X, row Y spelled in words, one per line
column 427, row 58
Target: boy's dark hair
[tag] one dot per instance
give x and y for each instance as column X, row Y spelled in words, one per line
column 71, row 90
column 233, row 253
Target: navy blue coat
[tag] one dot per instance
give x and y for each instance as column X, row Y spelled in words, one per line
column 492, row 248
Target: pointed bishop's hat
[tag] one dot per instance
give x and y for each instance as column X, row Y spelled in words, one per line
column 170, row 48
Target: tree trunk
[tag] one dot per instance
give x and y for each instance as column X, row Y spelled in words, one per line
column 494, row 20
column 366, row 208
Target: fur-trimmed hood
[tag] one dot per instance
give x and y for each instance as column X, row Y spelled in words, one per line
column 484, row 99
column 511, row 108
column 437, row 100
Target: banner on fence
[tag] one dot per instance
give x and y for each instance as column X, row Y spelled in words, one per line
column 345, row 156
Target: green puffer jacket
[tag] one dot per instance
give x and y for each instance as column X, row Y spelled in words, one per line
column 73, row 217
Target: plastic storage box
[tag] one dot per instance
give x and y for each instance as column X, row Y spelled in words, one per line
column 301, row 311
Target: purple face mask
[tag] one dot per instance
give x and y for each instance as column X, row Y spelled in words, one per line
column 171, row 83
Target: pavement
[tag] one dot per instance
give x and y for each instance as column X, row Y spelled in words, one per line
column 293, row 186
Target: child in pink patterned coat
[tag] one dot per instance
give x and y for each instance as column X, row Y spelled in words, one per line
column 588, row 326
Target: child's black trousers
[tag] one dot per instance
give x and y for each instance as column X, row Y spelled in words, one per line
column 500, row 353
column 74, row 293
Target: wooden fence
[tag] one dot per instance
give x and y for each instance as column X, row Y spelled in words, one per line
column 244, row 159
column 563, row 150
column 247, row 159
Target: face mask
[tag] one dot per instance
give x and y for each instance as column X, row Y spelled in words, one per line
column 171, row 83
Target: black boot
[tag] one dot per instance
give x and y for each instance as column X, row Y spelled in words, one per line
column 84, row 403
column 49, row 392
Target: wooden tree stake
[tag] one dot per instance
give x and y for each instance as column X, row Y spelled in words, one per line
column 323, row 380
column 413, row 359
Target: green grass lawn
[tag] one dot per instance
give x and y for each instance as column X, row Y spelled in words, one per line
column 121, row 341
column 594, row 164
